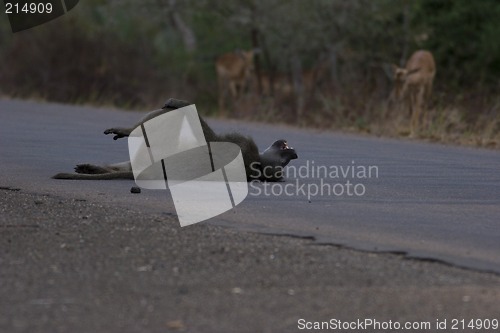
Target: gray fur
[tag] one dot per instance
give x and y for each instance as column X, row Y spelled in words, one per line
column 273, row 159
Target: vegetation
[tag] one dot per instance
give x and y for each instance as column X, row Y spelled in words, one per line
column 137, row 53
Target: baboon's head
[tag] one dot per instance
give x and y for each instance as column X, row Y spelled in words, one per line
column 283, row 151
column 275, row 158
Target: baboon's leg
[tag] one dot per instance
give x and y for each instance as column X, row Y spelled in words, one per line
column 91, row 169
column 96, row 169
column 103, row 176
column 121, row 166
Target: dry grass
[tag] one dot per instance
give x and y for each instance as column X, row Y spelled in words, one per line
column 446, row 124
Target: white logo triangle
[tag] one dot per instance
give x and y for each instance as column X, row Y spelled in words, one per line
column 187, row 138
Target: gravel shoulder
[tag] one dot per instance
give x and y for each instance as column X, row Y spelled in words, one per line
column 70, row 265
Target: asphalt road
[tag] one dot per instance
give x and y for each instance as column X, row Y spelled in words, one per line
column 424, row 200
column 89, row 256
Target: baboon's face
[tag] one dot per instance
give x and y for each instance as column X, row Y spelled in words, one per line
column 285, row 152
column 275, row 158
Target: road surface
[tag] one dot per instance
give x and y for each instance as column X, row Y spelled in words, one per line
column 426, row 200
column 89, row 256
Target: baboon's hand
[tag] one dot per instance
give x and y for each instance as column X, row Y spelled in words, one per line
column 119, row 132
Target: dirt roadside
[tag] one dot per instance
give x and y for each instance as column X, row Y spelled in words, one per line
column 75, row 266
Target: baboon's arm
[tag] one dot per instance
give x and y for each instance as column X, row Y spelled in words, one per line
column 120, row 132
column 171, row 104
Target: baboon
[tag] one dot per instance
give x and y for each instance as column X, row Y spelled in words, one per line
column 266, row 166
column 413, row 85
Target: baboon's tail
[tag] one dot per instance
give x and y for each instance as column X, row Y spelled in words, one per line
column 101, row 176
